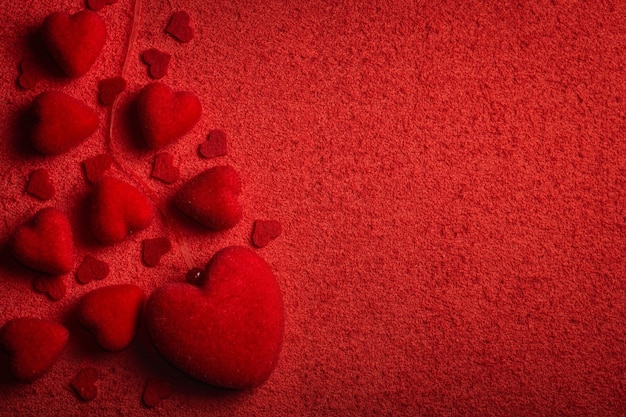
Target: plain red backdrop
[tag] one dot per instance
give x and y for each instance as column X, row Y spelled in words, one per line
column 450, row 180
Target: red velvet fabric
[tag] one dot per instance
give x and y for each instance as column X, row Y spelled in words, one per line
column 449, row 177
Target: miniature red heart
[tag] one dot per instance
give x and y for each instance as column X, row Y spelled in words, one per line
column 110, row 88
column 265, row 231
column 154, row 249
column 118, row 209
column 85, row 383
column 165, row 115
column 40, row 185
column 157, row 62
column 30, row 74
column 214, row 146
column 155, row 391
column 179, row 27
column 164, row 169
column 227, row 331
column 74, row 42
column 92, row 269
column 54, row 286
column 211, row 198
column 96, row 166
column 45, row 244
column 61, row 123
column 113, row 314
column 33, row 346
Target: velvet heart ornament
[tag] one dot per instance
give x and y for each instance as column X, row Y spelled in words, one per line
column 60, row 123
column 33, row 346
column 118, row 209
column 228, row 330
column 211, row 198
column 113, row 314
column 74, row 42
column 46, row 243
column 165, row 115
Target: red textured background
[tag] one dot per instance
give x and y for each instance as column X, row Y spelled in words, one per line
column 450, row 179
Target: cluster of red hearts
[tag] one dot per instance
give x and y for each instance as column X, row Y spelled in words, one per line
column 225, row 326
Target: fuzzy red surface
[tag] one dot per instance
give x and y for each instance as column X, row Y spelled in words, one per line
column 118, row 209
column 33, row 346
column 228, row 330
column 166, row 115
column 113, row 314
column 449, row 177
column 212, row 198
column 74, row 41
column 61, row 122
column 45, row 243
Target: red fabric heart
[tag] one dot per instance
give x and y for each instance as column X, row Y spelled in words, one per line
column 179, row 27
column 211, row 198
column 54, row 286
column 110, row 88
column 85, row 383
column 33, row 346
column 61, row 123
column 113, row 314
column 96, row 166
column 157, row 62
column 165, row 115
column 74, row 42
column 155, row 391
column 92, row 269
column 226, row 332
column 264, row 231
column 154, row 249
column 45, row 244
column 118, row 209
column 214, row 146
column 40, row 185
column 164, row 169
column 30, row 74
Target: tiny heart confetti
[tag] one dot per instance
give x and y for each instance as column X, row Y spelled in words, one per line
column 179, row 27
column 155, row 391
column 53, row 285
column 157, row 62
column 92, row 269
column 215, row 145
column 163, row 168
column 154, row 249
column 40, row 185
column 85, row 384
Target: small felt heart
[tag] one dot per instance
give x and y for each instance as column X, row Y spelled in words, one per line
column 155, row 391
column 157, row 62
column 226, row 332
column 113, row 314
column 264, row 231
column 96, row 166
column 54, row 286
column 179, row 27
column 154, row 249
column 45, row 244
column 30, row 74
column 165, row 115
column 211, row 198
column 214, row 146
column 110, row 88
column 164, row 169
column 40, row 185
column 74, row 42
column 61, row 123
column 85, row 383
column 92, row 269
column 33, row 346
column 117, row 209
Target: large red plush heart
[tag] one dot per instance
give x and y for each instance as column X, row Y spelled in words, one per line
column 74, row 42
column 45, row 244
column 228, row 330
column 211, row 198
column 61, row 122
column 33, row 346
column 113, row 314
column 117, row 209
column 165, row 115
